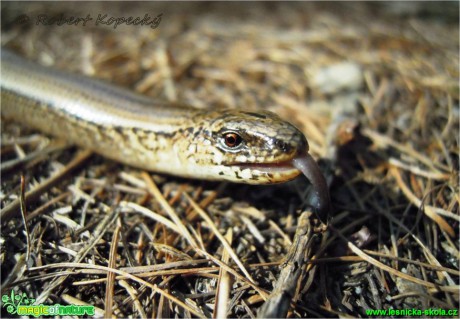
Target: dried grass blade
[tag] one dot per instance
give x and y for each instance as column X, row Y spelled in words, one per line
column 376, row 263
column 382, row 140
column 223, row 284
column 127, row 275
column 132, row 293
column 417, row 202
column 263, row 294
column 12, row 208
column 150, row 214
column 24, row 216
column 153, row 189
column 97, row 235
column 110, row 285
column 221, row 238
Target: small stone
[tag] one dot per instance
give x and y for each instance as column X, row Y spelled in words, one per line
column 338, row 77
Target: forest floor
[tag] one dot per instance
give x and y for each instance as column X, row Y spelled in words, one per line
column 374, row 88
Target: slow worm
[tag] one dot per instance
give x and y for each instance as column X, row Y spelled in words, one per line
column 165, row 137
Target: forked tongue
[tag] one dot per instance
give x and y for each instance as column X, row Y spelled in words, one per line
column 320, row 200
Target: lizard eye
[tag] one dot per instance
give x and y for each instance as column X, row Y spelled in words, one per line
column 232, row 140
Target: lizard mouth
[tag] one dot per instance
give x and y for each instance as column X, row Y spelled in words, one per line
column 289, row 169
column 284, row 166
column 279, row 167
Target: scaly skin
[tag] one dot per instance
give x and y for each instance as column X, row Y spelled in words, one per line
column 232, row 145
column 142, row 132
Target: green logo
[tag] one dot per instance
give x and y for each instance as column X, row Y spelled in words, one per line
column 13, row 301
column 21, row 305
